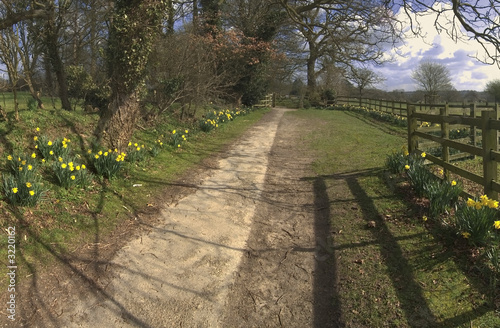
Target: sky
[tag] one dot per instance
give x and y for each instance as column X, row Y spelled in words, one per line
column 467, row 73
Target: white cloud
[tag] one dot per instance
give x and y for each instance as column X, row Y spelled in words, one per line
column 467, row 72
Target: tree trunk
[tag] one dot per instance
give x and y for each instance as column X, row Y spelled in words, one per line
column 56, row 61
column 133, row 31
column 118, row 121
column 311, row 69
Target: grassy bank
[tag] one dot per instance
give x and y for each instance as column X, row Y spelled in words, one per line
column 392, row 268
column 67, row 218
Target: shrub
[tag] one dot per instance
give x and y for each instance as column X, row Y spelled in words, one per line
column 32, row 104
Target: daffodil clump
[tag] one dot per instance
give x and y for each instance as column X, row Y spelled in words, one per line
column 157, row 147
column 477, row 220
column 22, row 184
column 208, row 124
column 177, row 137
column 107, row 163
column 24, row 165
column 135, row 152
column 69, row 173
column 397, row 161
column 443, row 196
column 52, row 149
column 417, row 173
column 376, row 114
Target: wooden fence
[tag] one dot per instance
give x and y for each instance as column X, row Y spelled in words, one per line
column 401, row 107
column 476, row 117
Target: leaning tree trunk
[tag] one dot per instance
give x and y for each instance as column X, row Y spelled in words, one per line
column 131, row 37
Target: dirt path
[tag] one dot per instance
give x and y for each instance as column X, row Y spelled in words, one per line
column 248, row 248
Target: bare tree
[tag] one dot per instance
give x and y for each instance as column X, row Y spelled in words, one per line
column 363, row 78
column 432, row 78
column 345, row 31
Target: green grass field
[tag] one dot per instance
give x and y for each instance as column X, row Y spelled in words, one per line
column 394, row 269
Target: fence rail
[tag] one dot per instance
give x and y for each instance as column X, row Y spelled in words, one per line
column 477, row 117
column 401, row 107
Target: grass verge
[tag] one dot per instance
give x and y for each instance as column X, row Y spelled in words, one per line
column 393, row 269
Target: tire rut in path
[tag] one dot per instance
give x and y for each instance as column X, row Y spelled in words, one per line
column 180, row 273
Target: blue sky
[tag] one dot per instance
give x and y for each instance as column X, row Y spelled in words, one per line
column 467, row 72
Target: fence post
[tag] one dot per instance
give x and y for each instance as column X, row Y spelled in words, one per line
column 412, row 127
column 445, row 133
column 489, row 142
column 473, row 128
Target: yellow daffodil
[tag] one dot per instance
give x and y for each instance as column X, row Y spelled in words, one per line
column 496, row 224
column 89, row 151
column 465, row 235
column 73, row 177
column 105, row 154
column 63, row 165
column 49, row 143
column 33, row 155
column 424, row 218
column 78, row 167
column 35, row 138
column 20, row 168
column 138, row 148
column 51, row 152
column 130, row 144
column 407, row 167
column 96, row 156
column 186, row 131
column 453, row 183
column 135, row 144
column 14, row 190
column 471, row 202
column 100, row 153
column 423, row 154
column 28, row 184
column 37, row 129
column 173, row 132
column 83, row 167
column 23, row 162
column 9, row 158
column 43, row 160
column 32, row 193
column 492, row 203
column 30, row 167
